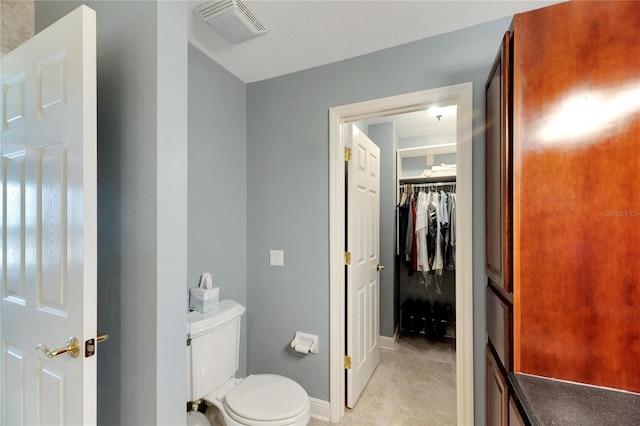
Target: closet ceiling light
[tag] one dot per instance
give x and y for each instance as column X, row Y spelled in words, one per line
column 442, row 111
column 435, row 111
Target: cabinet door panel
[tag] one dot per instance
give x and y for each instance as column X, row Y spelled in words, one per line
column 499, row 327
column 515, row 419
column 497, row 393
column 498, row 169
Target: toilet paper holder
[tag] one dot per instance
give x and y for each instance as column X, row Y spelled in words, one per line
column 305, row 343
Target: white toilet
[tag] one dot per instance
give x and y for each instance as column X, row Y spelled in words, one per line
column 212, row 362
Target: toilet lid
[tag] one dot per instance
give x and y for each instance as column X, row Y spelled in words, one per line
column 267, row 397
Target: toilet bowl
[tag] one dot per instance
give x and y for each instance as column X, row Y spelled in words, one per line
column 212, row 361
column 262, row 399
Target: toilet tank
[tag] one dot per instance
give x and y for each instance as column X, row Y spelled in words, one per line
column 214, row 346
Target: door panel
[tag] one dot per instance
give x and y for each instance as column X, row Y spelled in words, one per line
column 498, row 170
column 14, row 406
column 48, row 278
column 497, row 393
column 53, row 285
column 515, row 418
column 363, row 278
column 499, row 327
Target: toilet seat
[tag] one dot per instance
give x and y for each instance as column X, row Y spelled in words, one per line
column 267, row 399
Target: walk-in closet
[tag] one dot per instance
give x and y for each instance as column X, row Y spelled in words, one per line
column 426, row 239
column 417, row 221
column 418, row 248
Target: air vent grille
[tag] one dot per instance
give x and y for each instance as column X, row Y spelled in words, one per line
column 250, row 15
column 212, row 9
column 231, row 18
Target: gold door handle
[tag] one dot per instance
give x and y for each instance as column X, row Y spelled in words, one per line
column 72, row 348
column 379, row 267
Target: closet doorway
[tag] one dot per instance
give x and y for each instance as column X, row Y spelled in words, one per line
column 460, row 96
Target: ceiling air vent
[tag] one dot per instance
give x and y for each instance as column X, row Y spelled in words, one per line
column 232, row 19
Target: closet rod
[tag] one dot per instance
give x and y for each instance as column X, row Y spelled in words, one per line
column 425, row 185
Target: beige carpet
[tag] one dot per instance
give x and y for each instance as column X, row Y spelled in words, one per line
column 412, row 386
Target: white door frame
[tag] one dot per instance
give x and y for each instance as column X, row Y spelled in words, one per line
column 461, row 95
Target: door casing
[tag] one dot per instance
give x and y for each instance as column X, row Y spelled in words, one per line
column 462, row 96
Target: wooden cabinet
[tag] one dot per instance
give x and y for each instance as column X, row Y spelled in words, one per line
column 563, row 200
column 499, row 245
column 515, row 417
column 576, row 186
column 499, row 321
column 497, row 393
column 498, row 169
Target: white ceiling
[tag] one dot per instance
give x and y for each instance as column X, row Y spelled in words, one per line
column 304, row 34
column 422, row 123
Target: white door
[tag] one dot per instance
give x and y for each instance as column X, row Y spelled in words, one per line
column 363, row 278
column 48, row 250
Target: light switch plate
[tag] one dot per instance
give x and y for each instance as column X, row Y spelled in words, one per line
column 276, row 257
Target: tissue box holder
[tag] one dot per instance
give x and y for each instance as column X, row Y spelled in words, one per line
column 204, row 300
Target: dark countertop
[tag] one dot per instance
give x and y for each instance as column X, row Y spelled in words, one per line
column 553, row 402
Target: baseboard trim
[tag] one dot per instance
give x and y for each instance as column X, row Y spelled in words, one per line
column 320, row 409
column 390, row 343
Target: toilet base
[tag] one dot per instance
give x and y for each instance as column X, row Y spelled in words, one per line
column 214, row 415
column 196, row 418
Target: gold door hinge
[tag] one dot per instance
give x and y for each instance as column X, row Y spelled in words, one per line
column 347, row 258
column 347, row 362
column 347, row 154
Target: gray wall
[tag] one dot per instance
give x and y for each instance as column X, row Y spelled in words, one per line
column 386, row 138
column 287, row 168
column 142, row 133
column 287, row 200
column 218, row 181
column 171, row 229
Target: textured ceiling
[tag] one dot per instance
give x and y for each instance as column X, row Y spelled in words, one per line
column 304, row 34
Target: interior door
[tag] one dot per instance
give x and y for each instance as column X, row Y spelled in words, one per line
column 48, row 250
column 363, row 278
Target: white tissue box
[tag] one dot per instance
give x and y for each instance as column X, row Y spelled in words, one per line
column 204, row 300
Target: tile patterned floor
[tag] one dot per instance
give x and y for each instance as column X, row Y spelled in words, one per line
column 413, row 386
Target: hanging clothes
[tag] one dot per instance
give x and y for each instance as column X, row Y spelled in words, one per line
column 414, row 252
column 427, row 231
column 453, row 229
column 435, row 232
column 445, row 214
column 403, row 222
column 421, row 232
column 408, row 248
